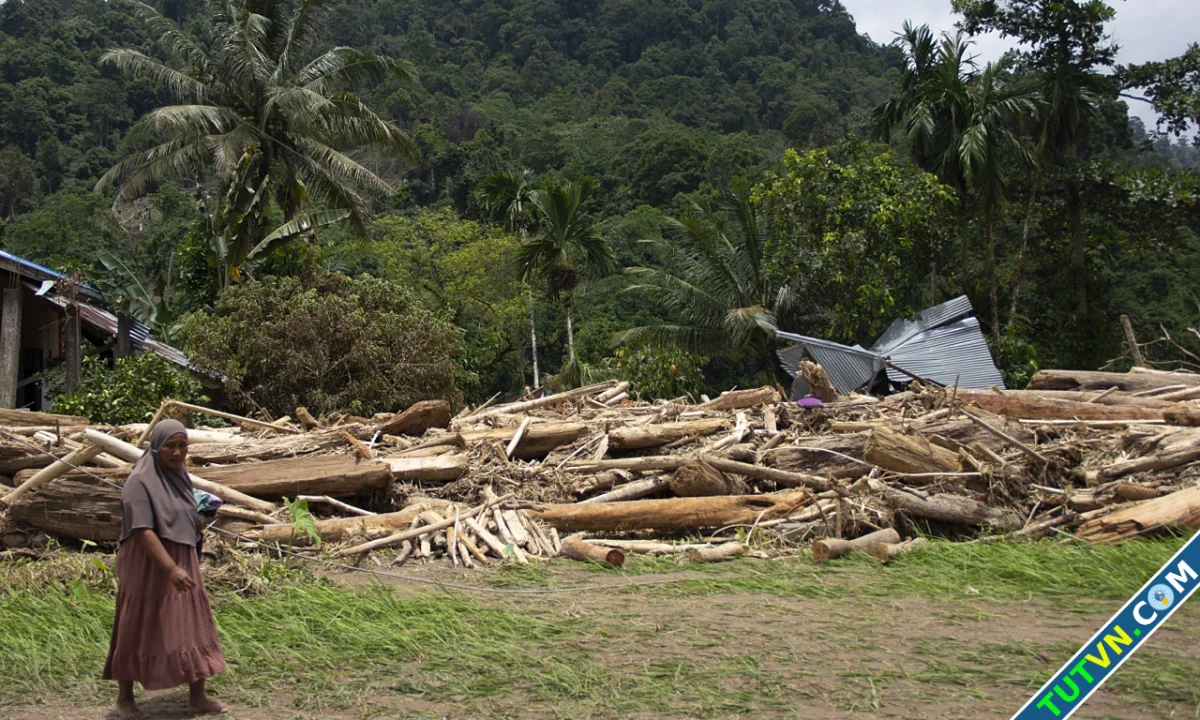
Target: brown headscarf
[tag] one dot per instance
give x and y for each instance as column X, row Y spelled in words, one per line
column 157, row 496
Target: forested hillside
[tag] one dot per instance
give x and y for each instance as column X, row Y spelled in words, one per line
column 674, row 108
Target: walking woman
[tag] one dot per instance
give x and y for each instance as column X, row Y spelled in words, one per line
column 164, row 634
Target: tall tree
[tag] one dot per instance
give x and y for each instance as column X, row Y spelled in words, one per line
column 1064, row 46
column 508, row 195
column 565, row 240
column 990, row 151
column 260, row 109
column 717, row 283
column 1172, row 88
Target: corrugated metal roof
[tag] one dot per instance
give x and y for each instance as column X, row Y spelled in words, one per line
column 106, row 322
column 849, row 368
column 951, row 353
column 942, row 343
column 903, row 329
column 29, row 268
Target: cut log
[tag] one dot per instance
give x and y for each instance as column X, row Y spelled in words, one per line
column 28, row 418
column 742, row 399
column 526, row 405
column 1186, row 415
column 895, row 451
column 716, row 553
column 699, row 479
column 830, row 548
column 306, row 419
column 418, row 418
column 338, row 529
column 48, row 474
column 632, row 491
column 647, row 436
column 1030, row 407
column 245, row 421
column 1097, row 381
column 131, row 454
column 538, row 440
column 332, row 475
column 1132, row 492
column 886, row 552
column 1192, row 393
column 673, row 514
column 952, row 509
column 673, row 462
column 617, row 390
column 834, row 456
column 276, row 448
column 440, row 468
column 1179, row 510
column 577, row 549
column 1167, row 459
column 79, row 507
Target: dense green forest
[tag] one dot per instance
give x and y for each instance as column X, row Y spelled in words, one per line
column 662, row 181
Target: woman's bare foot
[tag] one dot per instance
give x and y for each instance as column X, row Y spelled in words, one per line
column 208, row 705
column 128, row 710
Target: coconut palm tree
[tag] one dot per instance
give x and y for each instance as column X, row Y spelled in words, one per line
column 508, row 195
column 990, row 151
column 716, row 282
column 258, row 107
column 564, row 241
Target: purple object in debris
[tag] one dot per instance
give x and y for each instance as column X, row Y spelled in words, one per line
column 810, row 402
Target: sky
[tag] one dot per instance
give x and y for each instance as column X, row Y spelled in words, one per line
column 1144, row 29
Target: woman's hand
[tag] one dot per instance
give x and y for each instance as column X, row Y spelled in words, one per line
column 181, row 580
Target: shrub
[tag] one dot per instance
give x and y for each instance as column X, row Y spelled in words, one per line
column 330, row 343
column 653, row 372
column 129, row 392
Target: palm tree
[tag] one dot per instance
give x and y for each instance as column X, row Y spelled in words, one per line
column 990, row 150
column 258, row 110
column 508, row 196
column 716, row 282
column 564, row 241
column 962, row 125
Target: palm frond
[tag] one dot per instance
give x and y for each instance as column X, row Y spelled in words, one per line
column 298, row 226
column 181, row 86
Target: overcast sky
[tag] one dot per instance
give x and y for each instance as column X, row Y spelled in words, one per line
column 1144, row 29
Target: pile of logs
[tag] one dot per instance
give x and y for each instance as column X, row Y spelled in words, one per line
column 592, row 474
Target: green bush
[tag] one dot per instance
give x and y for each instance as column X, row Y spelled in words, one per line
column 129, row 392
column 330, row 343
column 653, row 372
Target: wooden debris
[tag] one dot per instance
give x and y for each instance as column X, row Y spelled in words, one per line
column 886, row 552
column 716, row 553
column 665, row 515
column 577, row 549
column 827, row 549
column 418, row 418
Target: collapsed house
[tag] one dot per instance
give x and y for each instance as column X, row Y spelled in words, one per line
column 942, row 344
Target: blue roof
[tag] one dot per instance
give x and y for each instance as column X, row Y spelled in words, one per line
column 40, row 272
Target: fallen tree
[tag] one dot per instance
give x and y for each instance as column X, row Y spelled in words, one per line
column 668, row 515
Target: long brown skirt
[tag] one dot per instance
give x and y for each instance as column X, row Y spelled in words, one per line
column 161, row 637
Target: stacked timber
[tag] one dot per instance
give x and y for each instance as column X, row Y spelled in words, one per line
column 592, row 474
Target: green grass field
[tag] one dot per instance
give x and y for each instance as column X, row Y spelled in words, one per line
column 956, row 629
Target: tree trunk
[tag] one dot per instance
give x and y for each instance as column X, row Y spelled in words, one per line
column 1179, row 509
column 79, row 507
column 1100, row 381
column 442, row 468
column 1029, row 407
column 538, row 440
column 570, row 334
column 672, row 514
column 951, row 509
column 332, row 475
column 993, row 293
column 1078, row 256
column 648, row 436
column 418, row 418
column 831, row 548
column 537, row 380
column 577, row 549
column 892, row 450
column 742, row 399
column 1019, row 274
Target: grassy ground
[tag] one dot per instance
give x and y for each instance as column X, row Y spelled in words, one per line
column 957, row 631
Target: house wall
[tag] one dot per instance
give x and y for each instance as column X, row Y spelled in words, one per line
column 41, row 342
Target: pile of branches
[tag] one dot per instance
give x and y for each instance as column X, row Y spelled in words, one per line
column 591, row 474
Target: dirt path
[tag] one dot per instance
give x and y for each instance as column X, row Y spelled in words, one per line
column 673, row 652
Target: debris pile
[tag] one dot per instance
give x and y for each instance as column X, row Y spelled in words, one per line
column 592, row 474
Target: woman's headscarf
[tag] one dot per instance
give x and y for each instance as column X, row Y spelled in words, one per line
column 157, row 496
